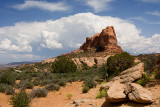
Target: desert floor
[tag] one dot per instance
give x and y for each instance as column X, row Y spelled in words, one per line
column 59, row 99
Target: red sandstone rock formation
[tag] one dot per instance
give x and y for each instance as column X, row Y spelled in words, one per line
column 105, row 41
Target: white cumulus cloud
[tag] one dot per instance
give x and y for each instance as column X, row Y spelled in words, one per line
column 44, row 5
column 6, row 45
column 69, row 32
column 49, row 40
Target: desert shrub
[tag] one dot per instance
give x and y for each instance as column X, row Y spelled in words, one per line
column 52, row 87
column 101, row 94
column 69, row 95
column 25, row 76
column 72, row 79
column 63, row 65
column 143, row 80
column 45, row 82
column 7, row 89
column 157, row 75
column 20, row 99
column 85, row 89
column 85, row 67
column 8, row 78
column 102, row 71
column 25, row 84
column 36, row 82
column 55, row 81
column 39, row 92
column 29, row 85
column 62, row 82
column 119, row 63
column 98, row 95
column 149, row 62
column 89, row 83
column 3, row 87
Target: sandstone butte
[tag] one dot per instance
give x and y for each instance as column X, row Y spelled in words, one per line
column 105, row 41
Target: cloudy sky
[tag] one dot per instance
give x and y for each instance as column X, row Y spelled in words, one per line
column 40, row 29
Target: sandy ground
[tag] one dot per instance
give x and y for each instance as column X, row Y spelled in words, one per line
column 59, row 99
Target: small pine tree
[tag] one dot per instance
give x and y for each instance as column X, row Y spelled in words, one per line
column 119, row 63
column 63, row 65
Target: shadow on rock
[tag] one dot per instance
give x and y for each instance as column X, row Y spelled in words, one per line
column 129, row 103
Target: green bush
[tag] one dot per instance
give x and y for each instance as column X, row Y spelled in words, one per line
column 62, row 82
column 98, row 95
column 3, row 87
column 63, row 65
column 29, row 85
column 45, row 82
column 72, row 79
column 149, row 63
column 39, row 92
column 119, row 63
column 20, row 99
column 101, row 94
column 89, row 83
column 52, row 87
column 25, row 84
column 157, row 75
column 7, row 89
column 85, row 89
column 69, row 95
column 25, row 76
column 36, row 82
column 8, row 78
column 143, row 80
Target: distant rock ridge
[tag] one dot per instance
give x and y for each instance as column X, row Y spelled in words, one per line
column 105, row 41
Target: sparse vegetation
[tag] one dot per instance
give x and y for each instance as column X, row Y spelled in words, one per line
column 89, row 83
column 85, row 89
column 52, row 87
column 62, row 83
column 20, row 99
column 25, row 84
column 145, row 78
column 45, row 82
column 39, row 92
column 8, row 78
column 101, row 94
column 69, row 95
column 7, row 89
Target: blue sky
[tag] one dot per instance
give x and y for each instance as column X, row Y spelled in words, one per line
column 40, row 29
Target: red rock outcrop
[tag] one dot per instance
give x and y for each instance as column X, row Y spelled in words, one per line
column 105, row 41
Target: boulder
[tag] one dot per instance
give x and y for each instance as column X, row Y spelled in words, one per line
column 138, row 94
column 127, row 76
column 130, row 74
column 115, row 93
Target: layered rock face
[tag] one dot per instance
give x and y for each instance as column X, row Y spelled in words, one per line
column 127, row 76
column 131, row 91
column 121, row 88
column 105, row 41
